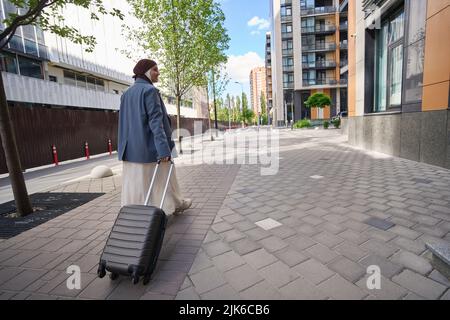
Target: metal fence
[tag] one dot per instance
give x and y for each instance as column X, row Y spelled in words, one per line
column 38, row 128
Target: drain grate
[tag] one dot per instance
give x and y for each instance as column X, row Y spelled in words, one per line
column 379, row 223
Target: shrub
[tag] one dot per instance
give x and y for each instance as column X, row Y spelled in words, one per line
column 326, row 124
column 337, row 123
column 305, row 123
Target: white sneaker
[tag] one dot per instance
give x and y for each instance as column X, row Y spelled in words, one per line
column 186, row 204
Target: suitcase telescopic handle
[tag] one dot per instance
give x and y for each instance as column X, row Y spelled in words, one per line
column 153, row 182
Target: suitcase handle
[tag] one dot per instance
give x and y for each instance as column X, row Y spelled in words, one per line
column 153, row 182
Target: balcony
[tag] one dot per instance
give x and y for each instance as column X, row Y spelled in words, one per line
column 322, row 29
column 319, row 82
column 317, row 11
column 343, row 26
column 288, row 85
column 286, row 18
column 286, row 35
column 287, row 52
column 343, row 81
column 343, row 45
column 288, row 68
column 328, row 64
column 32, row 90
column 343, row 63
column 324, row 46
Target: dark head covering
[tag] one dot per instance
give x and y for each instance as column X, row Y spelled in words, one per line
column 142, row 67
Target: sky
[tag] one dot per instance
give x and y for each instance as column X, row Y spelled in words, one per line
column 247, row 22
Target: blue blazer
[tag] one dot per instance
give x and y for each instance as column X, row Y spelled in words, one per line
column 145, row 133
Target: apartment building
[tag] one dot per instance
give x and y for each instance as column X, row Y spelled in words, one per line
column 399, row 71
column 258, row 88
column 309, row 54
column 60, row 94
column 268, row 60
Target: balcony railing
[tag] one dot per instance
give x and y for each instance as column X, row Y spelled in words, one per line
column 319, row 82
column 343, row 81
column 343, row 44
column 287, row 52
column 288, row 68
column 343, row 63
column 325, row 46
column 286, row 35
column 319, row 64
column 318, row 10
column 286, row 18
column 343, row 26
column 288, row 85
column 329, row 28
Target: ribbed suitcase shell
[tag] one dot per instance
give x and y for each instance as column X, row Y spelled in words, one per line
column 135, row 241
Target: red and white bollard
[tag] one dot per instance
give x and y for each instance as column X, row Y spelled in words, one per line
column 86, row 150
column 55, row 155
column 109, row 146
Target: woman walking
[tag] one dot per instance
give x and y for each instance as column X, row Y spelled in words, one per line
column 145, row 137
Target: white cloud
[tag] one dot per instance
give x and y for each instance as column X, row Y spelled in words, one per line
column 260, row 23
column 239, row 67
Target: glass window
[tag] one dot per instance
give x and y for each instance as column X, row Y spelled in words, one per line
column 30, row 68
column 100, row 85
column 81, row 81
column 389, row 63
column 396, row 63
column 28, row 32
column 69, row 78
column 31, row 47
column 10, row 62
column 91, row 83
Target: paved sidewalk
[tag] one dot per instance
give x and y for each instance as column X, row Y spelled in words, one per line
column 323, row 195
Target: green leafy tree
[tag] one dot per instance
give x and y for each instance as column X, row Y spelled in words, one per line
column 247, row 115
column 237, row 110
column 318, row 100
column 188, row 38
column 46, row 15
column 217, row 81
column 263, row 109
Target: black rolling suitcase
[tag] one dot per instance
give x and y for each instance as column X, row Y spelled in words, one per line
column 133, row 246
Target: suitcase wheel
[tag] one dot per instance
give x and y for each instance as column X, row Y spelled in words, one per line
column 101, row 272
column 113, row 276
column 135, row 279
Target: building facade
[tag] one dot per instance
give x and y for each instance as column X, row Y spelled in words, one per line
column 61, row 95
column 399, row 69
column 258, row 88
column 309, row 54
column 268, row 59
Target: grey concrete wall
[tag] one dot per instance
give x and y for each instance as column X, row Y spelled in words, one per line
column 418, row 136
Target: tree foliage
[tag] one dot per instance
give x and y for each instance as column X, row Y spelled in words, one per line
column 318, row 100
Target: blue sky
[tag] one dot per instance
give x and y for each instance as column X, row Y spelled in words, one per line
column 247, row 22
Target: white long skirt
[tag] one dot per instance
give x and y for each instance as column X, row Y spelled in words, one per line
column 136, row 178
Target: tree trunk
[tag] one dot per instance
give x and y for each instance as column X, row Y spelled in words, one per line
column 209, row 114
column 19, row 188
column 214, row 101
column 178, row 98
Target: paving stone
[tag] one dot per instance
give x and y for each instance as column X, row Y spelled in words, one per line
column 331, row 227
column 301, row 289
column 411, row 261
column 301, row 242
column 322, row 253
column 283, row 232
column 126, row 290
column 244, row 225
column 313, row 271
column 420, row 285
column 388, row 290
column 232, row 235
column 233, row 218
column 348, row 269
column 228, row 260
column 307, row 229
column 215, row 248
column 257, row 234
column 187, row 294
column 242, row 277
column 446, row 295
column 225, row 292
column 379, row 248
column 273, row 243
column 202, row 261
column 405, row 232
column 259, row 258
column 379, row 223
column 383, row 236
column 245, row 246
column 290, row 256
column 278, row 274
column 20, row 258
column 261, row 291
column 211, row 236
column 221, row 227
column 99, row 289
column 328, row 239
column 22, row 280
column 40, row 260
column 388, row 268
column 437, row 276
column 416, row 246
column 207, row 280
column 339, row 288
